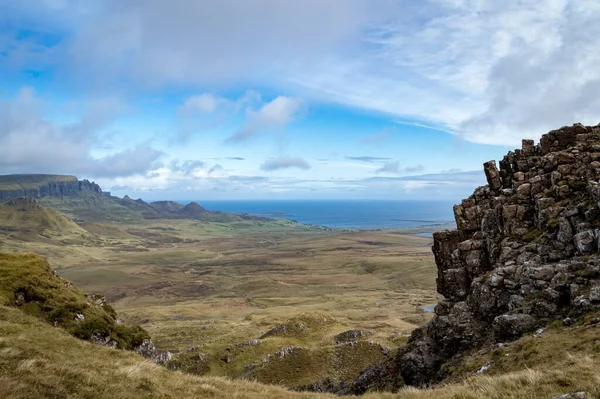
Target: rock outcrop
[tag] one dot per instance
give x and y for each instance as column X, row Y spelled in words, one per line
column 39, row 186
column 524, row 252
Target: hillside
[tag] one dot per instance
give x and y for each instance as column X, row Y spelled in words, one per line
column 524, row 256
column 24, row 217
column 28, row 283
column 42, row 361
column 39, row 186
column 31, row 182
column 520, row 280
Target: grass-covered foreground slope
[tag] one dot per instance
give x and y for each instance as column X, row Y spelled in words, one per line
column 41, row 361
column 28, row 283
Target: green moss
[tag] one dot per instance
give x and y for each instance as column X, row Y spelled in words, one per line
column 552, row 223
column 533, row 235
column 577, row 185
column 27, row 282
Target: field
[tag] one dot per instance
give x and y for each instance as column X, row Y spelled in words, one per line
column 205, row 290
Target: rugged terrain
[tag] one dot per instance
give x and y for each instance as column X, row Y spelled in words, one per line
column 85, row 201
column 524, row 254
column 39, row 360
column 282, row 303
column 39, row 186
column 231, row 295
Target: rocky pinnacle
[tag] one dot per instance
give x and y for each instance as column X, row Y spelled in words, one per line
column 525, row 252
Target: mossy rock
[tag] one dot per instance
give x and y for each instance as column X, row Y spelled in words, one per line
column 28, row 283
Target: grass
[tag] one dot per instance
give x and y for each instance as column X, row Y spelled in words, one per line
column 90, row 206
column 216, row 285
column 30, row 182
column 204, row 290
column 40, row 361
column 27, row 282
column 556, row 345
column 24, row 218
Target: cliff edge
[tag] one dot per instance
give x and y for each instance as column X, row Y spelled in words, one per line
column 39, row 186
column 524, row 252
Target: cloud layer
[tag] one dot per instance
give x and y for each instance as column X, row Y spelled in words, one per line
column 488, row 71
column 31, row 144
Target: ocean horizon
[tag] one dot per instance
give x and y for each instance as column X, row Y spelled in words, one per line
column 366, row 214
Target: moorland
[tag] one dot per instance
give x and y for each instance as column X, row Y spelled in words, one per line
column 270, row 300
column 245, row 307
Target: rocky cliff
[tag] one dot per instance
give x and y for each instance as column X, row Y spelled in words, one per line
column 38, row 186
column 524, row 252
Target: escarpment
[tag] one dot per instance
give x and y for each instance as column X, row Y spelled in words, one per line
column 39, row 186
column 525, row 252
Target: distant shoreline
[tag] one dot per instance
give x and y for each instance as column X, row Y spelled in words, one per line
column 348, row 215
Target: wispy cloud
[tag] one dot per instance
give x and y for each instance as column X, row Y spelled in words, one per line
column 394, row 168
column 366, row 158
column 376, row 139
column 187, row 167
column 248, row 179
column 275, row 114
column 285, row 163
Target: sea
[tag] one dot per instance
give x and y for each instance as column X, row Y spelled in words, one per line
column 360, row 214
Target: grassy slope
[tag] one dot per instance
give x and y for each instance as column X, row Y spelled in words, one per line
column 31, row 217
column 91, row 206
column 39, row 361
column 27, row 282
column 311, row 354
column 29, row 182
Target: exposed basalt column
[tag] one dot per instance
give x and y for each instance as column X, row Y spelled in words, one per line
column 515, row 260
column 52, row 189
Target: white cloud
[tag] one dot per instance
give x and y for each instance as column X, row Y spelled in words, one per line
column 275, row 114
column 285, row 163
column 280, row 111
column 393, row 167
column 489, row 71
column 29, row 143
column 204, row 103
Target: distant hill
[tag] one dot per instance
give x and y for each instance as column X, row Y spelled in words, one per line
column 26, row 215
column 28, row 182
column 39, row 186
column 166, row 206
column 85, row 201
column 193, row 210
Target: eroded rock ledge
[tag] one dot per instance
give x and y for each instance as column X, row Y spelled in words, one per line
column 524, row 252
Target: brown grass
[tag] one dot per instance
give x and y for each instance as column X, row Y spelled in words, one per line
column 39, row 361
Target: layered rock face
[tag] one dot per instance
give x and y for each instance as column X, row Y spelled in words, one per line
column 524, row 252
column 51, row 189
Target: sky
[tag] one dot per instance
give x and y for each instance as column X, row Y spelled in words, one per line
column 295, row 99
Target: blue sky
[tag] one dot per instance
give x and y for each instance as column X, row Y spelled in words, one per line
column 303, row 99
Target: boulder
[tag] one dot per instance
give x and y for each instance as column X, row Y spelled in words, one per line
column 511, row 326
column 585, row 242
